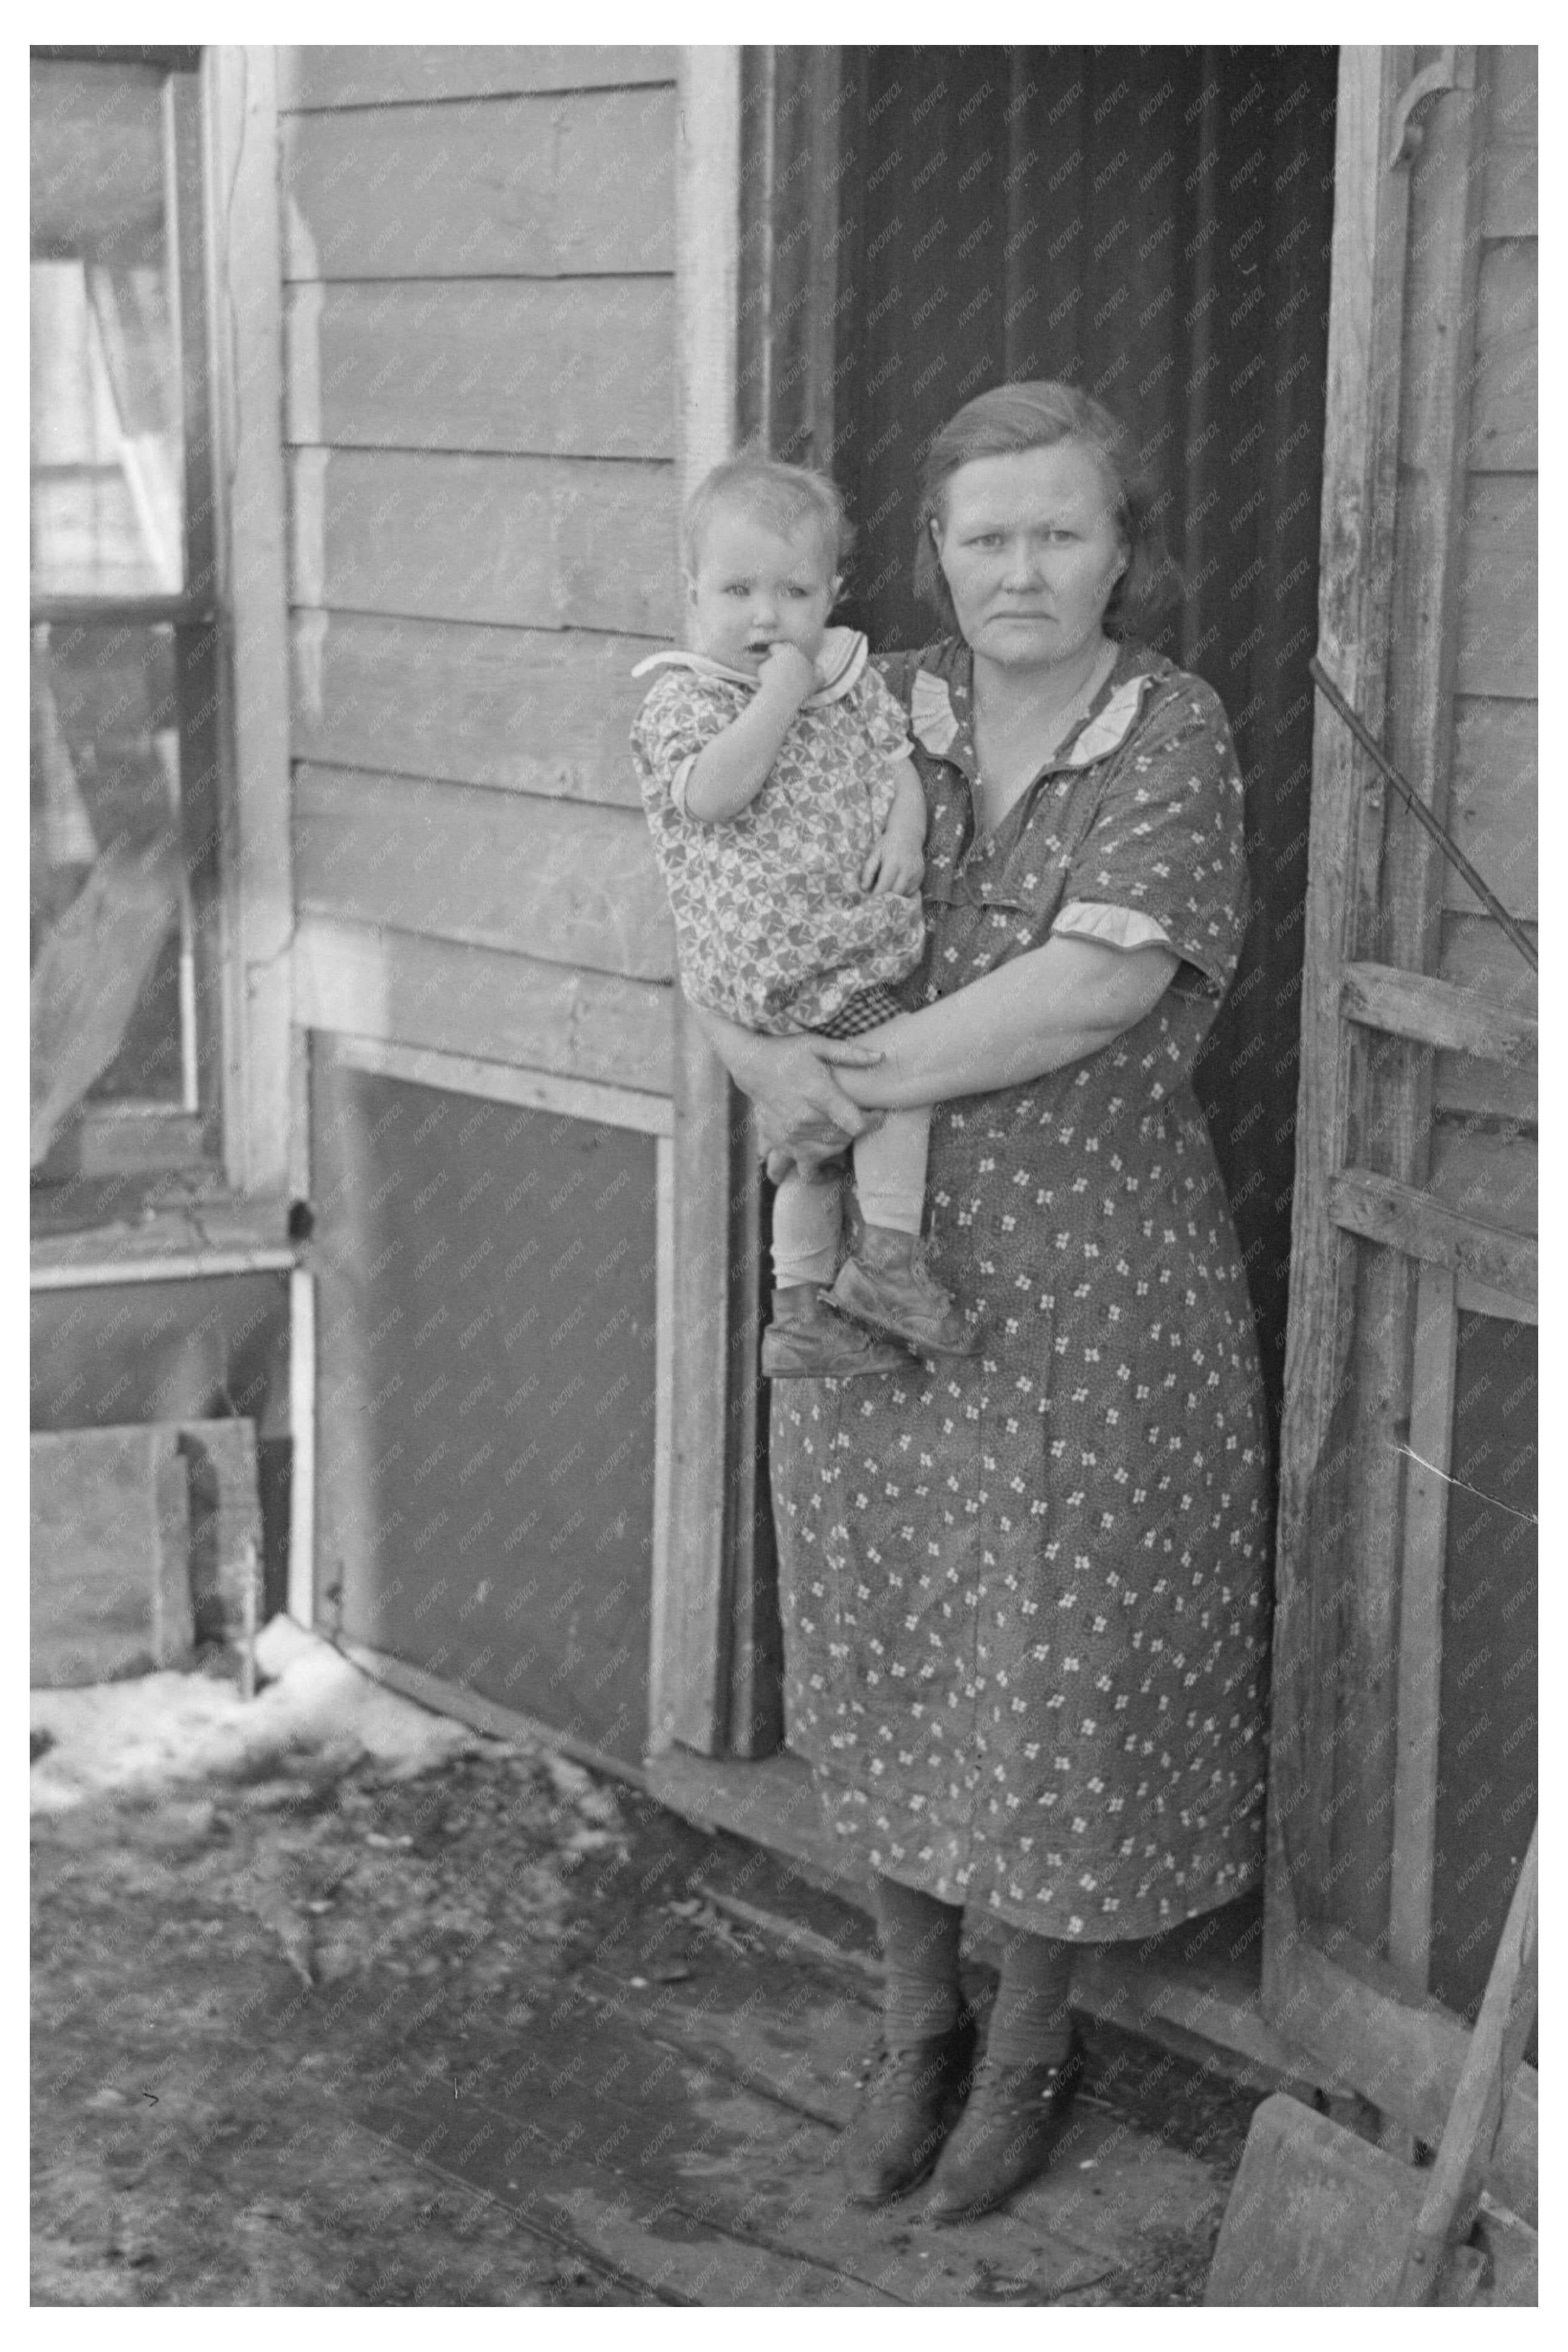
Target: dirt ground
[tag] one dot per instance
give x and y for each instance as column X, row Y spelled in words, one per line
column 309, row 2034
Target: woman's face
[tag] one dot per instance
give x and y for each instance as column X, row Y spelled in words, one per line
column 1031, row 550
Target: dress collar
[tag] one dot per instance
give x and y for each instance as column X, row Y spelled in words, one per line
column 839, row 666
column 941, row 712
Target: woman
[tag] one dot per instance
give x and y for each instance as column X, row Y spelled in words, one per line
column 1025, row 1596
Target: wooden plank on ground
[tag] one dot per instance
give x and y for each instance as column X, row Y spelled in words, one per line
column 544, row 543
column 1500, row 587
column 532, row 711
column 575, row 367
column 1503, row 417
column 577, row 185
column 1408, row 2057
column 329, row 74
column 570, row 884
column 224, row 1506
column 498, row 1008
column 110, row 1568
column 742, row 2201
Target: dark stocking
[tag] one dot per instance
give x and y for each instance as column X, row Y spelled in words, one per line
column 920, row 1950
column 1029, row 2025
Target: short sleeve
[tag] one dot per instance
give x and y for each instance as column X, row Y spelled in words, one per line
column 1165, row 858
column 677, row 720
column 883, row 717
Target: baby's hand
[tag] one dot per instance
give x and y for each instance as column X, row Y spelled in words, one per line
column 896, row 865
column 789, row 673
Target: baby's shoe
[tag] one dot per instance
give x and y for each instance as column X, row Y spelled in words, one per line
column 888, row 1287
column 807, row 1341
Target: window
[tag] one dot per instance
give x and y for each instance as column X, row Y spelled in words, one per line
column 126, row 633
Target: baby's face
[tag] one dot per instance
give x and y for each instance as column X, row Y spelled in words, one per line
column 753, row 589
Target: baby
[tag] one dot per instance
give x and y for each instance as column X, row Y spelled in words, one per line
column 789, row 824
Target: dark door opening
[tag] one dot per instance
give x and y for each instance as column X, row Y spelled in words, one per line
column 1153, row 224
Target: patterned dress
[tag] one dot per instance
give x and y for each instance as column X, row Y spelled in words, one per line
column 1025, row 1596
column 772, row 926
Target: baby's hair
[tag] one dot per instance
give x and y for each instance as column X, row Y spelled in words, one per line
column 779, row 495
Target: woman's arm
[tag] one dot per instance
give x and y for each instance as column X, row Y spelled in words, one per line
column 1039, row 1011
column 803, row 1114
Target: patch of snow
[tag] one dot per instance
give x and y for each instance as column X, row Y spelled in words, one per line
column 168, row 1728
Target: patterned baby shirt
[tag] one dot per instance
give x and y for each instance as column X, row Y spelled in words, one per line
column 772, row 926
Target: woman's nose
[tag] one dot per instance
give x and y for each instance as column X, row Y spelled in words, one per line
column 1023, row 564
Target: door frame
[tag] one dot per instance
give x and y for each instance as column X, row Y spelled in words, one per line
column 1354, row 1540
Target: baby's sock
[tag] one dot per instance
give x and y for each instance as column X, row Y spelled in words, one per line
column 806, row 1218
column 890, row 1172
column 920, row 1954
column 1029, row 2025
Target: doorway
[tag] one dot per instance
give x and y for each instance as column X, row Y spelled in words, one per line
column 1154, row 224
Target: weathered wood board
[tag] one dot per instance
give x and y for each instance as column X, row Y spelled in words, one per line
column 1504, row 397
column 496, row 1007
column 1500, row 586
column 573, row 884
column 545, row 543
column 578, row 185
column 532, row 711
column 329, row 75
column 576, row 367
column 110, row 1575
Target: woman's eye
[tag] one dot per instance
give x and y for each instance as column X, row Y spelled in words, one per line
column 986, row 539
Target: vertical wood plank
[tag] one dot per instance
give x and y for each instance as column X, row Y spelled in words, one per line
column 1366, row 353
column 1420, row 1625
column 689, row 1663
column 1392, row 1124
column 247, row 297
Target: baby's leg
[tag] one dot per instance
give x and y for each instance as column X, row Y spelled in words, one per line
column 807, row 1215
column 890, row 1170
column 887, row 1285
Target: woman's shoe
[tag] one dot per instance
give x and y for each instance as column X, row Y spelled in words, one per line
column 807, row 1341
column 1010, row 2126
column 910, row 2102
column 887, row 1286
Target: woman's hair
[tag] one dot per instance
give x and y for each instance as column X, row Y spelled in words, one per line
column 782, row 496
column 1019, row 416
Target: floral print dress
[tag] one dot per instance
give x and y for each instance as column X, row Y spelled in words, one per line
column 1025, row 1595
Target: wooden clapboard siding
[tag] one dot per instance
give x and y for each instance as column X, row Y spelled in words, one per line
column 1503, row 437
column 1509, row 198
column 541, row 878
column 397, row 987
column 540, row 543
column 570, row 367
column 1492, row 807
column 570, row 186
column 330, row 76
column 529, row 710
column 1494, row 786
column 1498, row 586
column 482, row 411
column 1485, row 1172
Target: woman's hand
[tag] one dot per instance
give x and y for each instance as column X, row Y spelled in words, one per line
column 803, row 1116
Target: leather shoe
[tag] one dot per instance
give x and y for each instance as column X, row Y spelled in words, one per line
column 1004, row 2141
column 809, row 1341
column 910, row 2102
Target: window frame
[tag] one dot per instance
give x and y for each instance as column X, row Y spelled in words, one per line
column 231, row 648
